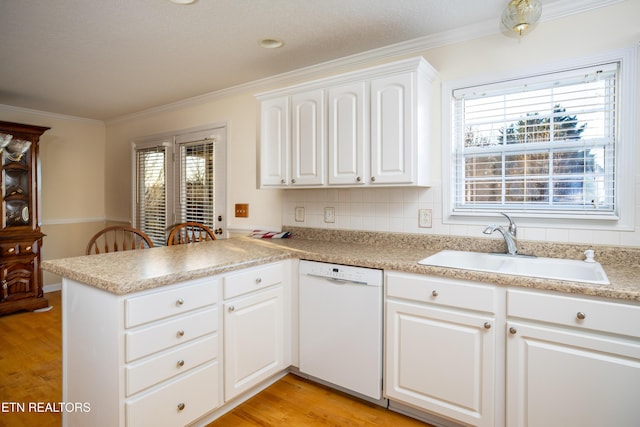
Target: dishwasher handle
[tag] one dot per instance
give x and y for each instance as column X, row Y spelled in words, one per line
column 336, row 280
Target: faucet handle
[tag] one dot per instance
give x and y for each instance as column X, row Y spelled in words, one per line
column 512, row 225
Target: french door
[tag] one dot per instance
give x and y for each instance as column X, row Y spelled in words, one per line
column 179, row 178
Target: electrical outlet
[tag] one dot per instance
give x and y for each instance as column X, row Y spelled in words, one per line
column 329, row 215
column 424, row 218
column 299, row 214
column 242, row 210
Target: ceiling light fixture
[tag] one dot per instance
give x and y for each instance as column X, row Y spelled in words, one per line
column 183, row 1
column 521, row 14
column 270, row 43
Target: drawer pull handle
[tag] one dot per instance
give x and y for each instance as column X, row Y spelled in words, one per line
column 258, row 281
column 180, row 363
column 231, row 309
column 180, row 333
column 434, row 293
column 513, row 330
column 487, row 325
column 181, row 406
column 581, row 316
column 179, row 302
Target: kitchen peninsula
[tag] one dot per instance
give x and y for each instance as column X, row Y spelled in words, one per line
column 144, row 357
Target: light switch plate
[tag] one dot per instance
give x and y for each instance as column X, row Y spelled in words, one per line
column 329, row 215
column 425, row 218
column 299, row 214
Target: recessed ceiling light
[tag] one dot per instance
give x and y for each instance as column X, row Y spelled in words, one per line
column 270, row 43
column 183, row 1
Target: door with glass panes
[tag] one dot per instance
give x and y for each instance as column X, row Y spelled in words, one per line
column 180, row 178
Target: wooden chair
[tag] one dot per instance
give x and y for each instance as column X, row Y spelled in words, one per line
column 118, row 238
column 189, row 232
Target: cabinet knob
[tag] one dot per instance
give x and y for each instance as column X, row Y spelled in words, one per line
column 180, row 333
column 258, row 280
column 434, row 293
column 231, row 309
column 580, row 315
column 358, row 179
column 28, row 248
column 179, row 302
column 180, row 363
column 293, row 181
column 487, row 325
column 513, row 330
column 282, row 181
column 373, row 179
column 181, row 406
column 11, row 250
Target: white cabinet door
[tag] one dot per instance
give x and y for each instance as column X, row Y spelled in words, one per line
column 274, row 144
column 254, row 339
column 559, row 377
column 348, row 134
column 308, row 140
column 442, row 361
column 393, row 139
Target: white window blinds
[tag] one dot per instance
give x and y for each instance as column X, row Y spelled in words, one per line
column 197, row 182
column 542, row 143
column 151, row 191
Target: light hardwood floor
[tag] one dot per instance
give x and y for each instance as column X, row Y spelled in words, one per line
column 31, row 372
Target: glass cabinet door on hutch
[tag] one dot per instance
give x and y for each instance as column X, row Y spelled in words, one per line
column 20, row 235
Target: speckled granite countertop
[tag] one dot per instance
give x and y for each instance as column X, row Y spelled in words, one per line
column 125, row 272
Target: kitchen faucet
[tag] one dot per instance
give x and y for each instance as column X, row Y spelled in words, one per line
column 509, row 234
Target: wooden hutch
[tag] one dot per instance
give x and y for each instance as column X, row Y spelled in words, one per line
column 20, row 235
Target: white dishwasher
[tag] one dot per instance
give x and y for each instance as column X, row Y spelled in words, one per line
column 341, row 326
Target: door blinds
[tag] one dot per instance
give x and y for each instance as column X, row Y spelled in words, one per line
column 197, row 182
column 151, row 192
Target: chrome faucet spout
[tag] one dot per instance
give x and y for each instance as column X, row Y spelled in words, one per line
column 509, row 235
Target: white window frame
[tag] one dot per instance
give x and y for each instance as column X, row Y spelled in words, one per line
column 172, row 142
column 625, row 167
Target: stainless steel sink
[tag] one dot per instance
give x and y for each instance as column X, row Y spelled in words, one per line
column 519, row 265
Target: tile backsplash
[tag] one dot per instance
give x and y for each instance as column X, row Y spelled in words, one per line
column 396, row 210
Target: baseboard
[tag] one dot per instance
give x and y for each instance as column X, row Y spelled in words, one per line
column 52, row 287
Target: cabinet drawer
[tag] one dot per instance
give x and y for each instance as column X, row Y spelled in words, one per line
column 166, row 303
column 446, row 292
column 604, row 316
column 252, row 280
column 145, row 374
column 177, row 403
column 18, row 248
column 160, row 336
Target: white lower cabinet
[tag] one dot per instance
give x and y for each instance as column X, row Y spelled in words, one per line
column 147, row 358
column 572, row 361
column 441, row 346
column 255, row 332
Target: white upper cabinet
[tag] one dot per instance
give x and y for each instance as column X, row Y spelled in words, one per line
column 367, row 127
column 392, row 138
column 308, row 141
column 348, row 134
column 274, row 150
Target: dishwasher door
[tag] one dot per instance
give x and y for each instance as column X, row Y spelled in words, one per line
column 341, row 326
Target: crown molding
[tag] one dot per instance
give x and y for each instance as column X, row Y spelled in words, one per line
column 555, row 10
column 57, row 116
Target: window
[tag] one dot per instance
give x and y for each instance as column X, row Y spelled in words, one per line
column 179, row 178
column 549, row 145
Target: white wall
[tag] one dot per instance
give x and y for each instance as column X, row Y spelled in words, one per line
column 603, row 29
column 387, row 210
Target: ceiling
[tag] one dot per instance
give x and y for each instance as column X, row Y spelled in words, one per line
column 104, row 59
